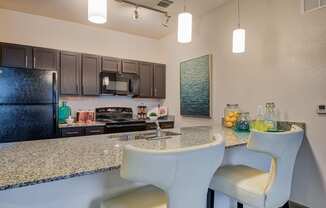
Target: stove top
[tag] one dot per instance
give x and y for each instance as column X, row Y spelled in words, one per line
column 119, row 119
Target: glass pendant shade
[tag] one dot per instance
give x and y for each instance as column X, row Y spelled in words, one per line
column 184, row 27
column 239, row 41
column 97, row 11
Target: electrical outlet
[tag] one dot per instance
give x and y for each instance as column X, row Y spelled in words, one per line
column 321, row 109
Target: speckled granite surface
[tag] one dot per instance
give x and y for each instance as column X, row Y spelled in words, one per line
column 33, row 162
column 81, row 125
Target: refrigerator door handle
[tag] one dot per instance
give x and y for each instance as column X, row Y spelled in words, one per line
column 54, row 87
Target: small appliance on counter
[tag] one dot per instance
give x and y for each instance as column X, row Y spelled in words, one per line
column 64, row 112
column 142, row 112
column 85, row 116
column 119, row 119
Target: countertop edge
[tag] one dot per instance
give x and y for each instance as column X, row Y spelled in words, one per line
column 57, row 178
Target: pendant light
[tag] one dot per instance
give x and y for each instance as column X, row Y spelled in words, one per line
column 97, row 11
column 239, row 36
column 184, row 26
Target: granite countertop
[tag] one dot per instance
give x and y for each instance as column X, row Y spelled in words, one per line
column 74, row 125
column 40, row 161
column 61, row 126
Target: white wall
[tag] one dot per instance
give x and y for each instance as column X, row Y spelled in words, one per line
column 90, row 103
column 21, row 28
column 284, row 63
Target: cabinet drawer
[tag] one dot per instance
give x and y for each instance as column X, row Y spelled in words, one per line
column 94, row 130
column 72, row 132
column 163, row 125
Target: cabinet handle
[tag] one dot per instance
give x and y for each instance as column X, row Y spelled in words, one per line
column 95, row 131
column 34, row 60
column 26, row 61
column 155, row 92
column 72, row 132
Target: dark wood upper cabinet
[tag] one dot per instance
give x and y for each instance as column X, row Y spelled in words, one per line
column 70, row 69
column 159, row 81
column 130, row 66
column 146, row 79
column 91, row 68
column 47, row 59
column 13, row 55
column 111, row 64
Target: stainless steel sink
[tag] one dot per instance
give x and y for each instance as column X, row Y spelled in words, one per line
column 146, row 135
column 163, row 135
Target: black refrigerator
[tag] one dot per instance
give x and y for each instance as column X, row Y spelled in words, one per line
column 28, row 104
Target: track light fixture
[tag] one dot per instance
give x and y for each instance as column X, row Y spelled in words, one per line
column 136, row 14
column 167, row 19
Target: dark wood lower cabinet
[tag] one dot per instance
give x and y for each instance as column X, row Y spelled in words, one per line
column 72, row 132
column 94, row 130
column 163, row 125
column 82, row 131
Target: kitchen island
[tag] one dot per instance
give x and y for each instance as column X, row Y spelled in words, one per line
column 34, row 162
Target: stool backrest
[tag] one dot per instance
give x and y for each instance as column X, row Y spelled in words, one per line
column 283, row 147
column 184, row 174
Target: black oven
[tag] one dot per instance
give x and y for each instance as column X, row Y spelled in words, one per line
column 119, row 84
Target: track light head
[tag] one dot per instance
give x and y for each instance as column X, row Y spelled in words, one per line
column 136, row 14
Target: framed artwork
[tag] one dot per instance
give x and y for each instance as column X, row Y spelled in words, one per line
column 195, row 87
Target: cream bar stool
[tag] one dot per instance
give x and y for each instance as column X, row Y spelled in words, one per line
column 256, row 188
column 180, row 177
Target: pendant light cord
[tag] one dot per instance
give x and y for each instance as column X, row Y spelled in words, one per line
column 184, row 5
column 238, row 11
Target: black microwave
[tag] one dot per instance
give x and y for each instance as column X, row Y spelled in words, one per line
column 113, row 83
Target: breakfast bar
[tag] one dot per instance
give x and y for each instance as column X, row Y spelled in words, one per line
column 41, row 161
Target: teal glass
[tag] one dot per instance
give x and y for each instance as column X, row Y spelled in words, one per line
column 64, row 112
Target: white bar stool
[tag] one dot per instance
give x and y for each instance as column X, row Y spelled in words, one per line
column 256, row 188
column 181, row 175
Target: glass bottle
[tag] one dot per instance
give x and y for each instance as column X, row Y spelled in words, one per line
column 259, row 123
column 270, row 117
column 243, row 122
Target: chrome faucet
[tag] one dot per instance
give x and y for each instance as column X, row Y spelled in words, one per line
column 158, row 128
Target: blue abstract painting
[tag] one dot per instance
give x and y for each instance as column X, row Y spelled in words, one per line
column 195, row 87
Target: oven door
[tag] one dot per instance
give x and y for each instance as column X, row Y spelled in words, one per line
column 108, row 83
column 119, row 128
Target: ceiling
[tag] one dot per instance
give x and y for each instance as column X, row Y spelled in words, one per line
column 119, row 14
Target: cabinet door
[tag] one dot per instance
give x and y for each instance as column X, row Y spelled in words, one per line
column 159, row 80
column 111, row 64
column 91, row 67
column 16, row 55
column 47, row 59
column 70, row 69
column 146, row 79
column 130, row 66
